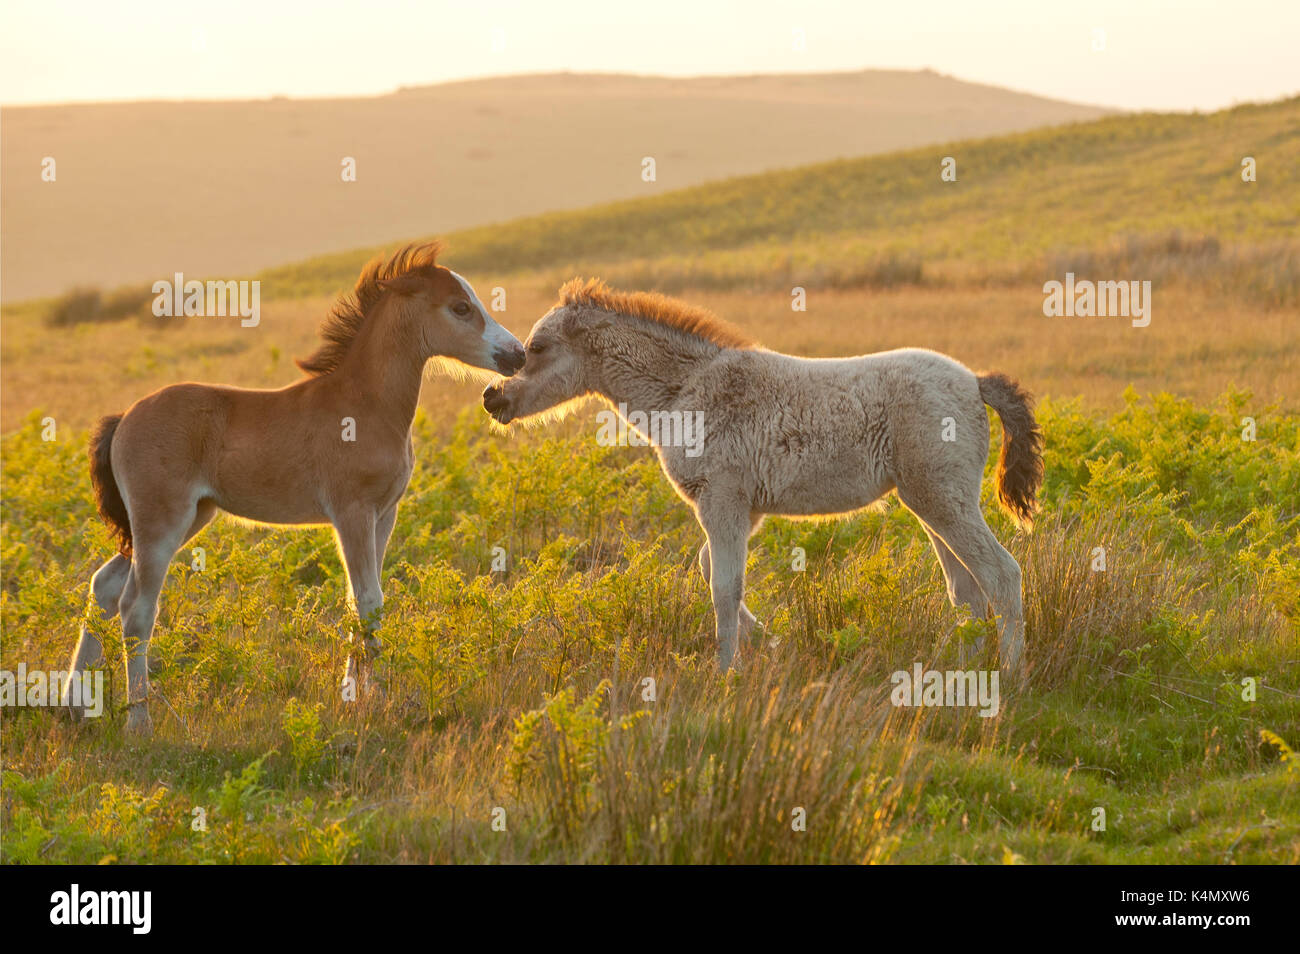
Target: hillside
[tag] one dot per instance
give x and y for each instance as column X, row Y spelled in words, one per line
column 147, row 189
column 1019, row 202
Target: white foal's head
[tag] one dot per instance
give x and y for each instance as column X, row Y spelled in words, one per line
column 554, row 370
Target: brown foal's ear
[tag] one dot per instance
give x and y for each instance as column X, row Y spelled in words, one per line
column 404, row 284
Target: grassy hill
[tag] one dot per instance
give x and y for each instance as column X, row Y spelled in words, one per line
column 1020, row 203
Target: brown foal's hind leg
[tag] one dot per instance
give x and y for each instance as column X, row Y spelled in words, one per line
column 206, row 510
column 357, row 533
column 105, row 591
column 158, row 533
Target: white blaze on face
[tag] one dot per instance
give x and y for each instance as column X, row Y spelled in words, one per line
column 494, row 335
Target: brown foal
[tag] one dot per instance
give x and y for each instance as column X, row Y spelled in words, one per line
column 332, row 448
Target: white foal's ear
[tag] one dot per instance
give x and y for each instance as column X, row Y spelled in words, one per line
column 588, row 333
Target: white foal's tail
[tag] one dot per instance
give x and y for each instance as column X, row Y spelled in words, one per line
column 1020, row 464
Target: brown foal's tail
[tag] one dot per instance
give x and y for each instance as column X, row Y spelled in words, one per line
column 112, row 509
column 1020, row 464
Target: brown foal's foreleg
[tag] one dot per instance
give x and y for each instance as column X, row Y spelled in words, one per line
column 383, row 530
column 357, row 530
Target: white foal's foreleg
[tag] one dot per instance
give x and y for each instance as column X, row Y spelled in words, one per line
column 358, row 536
column 747, row 620
column 727, row 529
column 106, row 588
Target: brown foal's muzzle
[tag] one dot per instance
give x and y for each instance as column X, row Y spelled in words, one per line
column 510, row 360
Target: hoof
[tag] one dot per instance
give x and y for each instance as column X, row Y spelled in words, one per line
column 81, row 696
column 968, row 653
column 350, row 687
column 360, row 682
column 1013, row 670
column 76, row 713
column 138, row 721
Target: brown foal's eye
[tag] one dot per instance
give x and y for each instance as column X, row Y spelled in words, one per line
column 537, row 347
column 461, row 308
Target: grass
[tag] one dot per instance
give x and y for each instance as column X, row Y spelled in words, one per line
column 520, row 698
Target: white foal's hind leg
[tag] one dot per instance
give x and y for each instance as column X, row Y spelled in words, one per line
column 357, row 533
column 996, row 571
column 105, row 592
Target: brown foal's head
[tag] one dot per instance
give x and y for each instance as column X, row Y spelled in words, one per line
column 434, row 308
column 451, row 322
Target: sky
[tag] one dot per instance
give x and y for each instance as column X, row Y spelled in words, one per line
column 1131, row 54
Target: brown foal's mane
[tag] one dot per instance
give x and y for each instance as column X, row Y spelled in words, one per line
column 670, row 312
column 348, row 316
